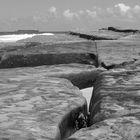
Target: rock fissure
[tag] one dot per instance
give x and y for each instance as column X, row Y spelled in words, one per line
column 110, row 117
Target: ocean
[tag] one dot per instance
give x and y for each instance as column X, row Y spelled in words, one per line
column 16, row 37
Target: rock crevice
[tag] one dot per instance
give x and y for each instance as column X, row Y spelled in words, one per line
column 114, row 108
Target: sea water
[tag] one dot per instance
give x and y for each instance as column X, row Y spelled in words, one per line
column 17, row 37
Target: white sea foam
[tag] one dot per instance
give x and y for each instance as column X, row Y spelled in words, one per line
column 46, row 34
column 87, row 93
column 16, row 37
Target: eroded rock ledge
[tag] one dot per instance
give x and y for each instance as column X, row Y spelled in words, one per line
column 123, row 30
column 91, row 36
column 82, row 76
column 39, row 108
column 29, row 55
column 37, row 105
column 114, row 108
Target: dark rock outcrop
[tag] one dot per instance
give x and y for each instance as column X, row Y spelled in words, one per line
column 90, row 36
column 123, row 30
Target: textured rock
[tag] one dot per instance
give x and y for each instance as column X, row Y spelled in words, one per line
column 44, row 54
column 134, row 37
column 80, row 75
column 121, row 128
column 134, row 66
column 115, row 94
column 114, row 108
column 92, row 35
column 123, row 30
column 118, row 52
column 38, row 108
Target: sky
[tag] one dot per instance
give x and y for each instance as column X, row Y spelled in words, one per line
column 65, row 15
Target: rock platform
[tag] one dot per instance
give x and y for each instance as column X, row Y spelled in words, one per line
column 41, row 100
column 39, row 108
column 80, row 75
column 38, row 103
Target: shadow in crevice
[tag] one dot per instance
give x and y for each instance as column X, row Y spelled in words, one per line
column 37, row 59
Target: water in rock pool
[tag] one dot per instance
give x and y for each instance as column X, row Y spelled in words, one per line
column 87, row 93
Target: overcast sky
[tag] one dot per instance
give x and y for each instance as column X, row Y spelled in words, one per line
column 51, row 15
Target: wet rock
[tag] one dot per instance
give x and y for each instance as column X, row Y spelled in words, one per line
column 91, row 36
column 37, row 54
column 126, row 65
column 39, row 108
column 80, row 75
column 115, row 94
column 123, row 30
column 120, row 128
column 81, row 121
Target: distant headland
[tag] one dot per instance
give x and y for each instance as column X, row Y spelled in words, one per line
column 29, row 32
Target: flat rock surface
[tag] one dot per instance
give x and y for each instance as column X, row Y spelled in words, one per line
column 79, row 74
column 121, row 128
column 36, row 47
column 38, row 108
column 116, row 94
column 119, row 51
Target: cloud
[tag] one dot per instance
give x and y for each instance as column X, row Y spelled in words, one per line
column 36, row 18
column 70, row 15
column 123, row 8
column 124, row 11
column 136, row 9
column 81, row 12
column 110, row 11
column 53, row 10
column 120, row 11
column 92, row 14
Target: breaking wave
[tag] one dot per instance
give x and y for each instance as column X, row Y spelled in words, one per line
column 16, row 37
